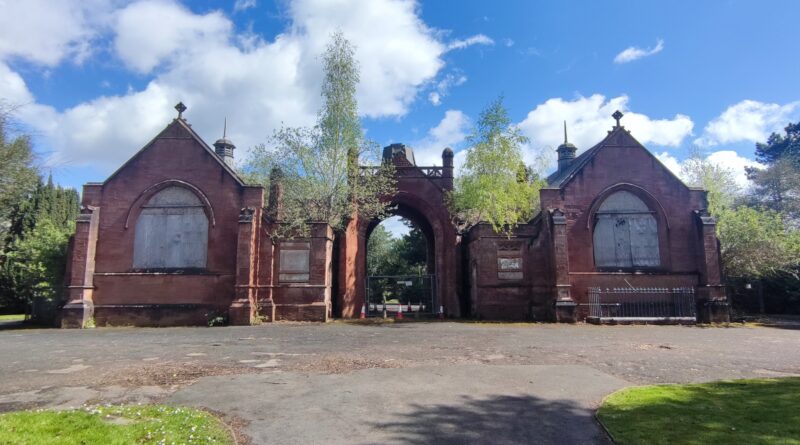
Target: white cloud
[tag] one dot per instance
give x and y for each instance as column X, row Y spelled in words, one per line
column 217, row 71
column 671, row 162
column 731, row 160
column 727, row 159
column 395, row 226
column 508, row 42
column 241, row 5
column 151, row 31
column 443, row 86
column 478, row 39
column 47, row 32
column 589, row 118
column 450, row 132
column 12, row 87
column 435, row 98
column 633, row 53
column 749, row 121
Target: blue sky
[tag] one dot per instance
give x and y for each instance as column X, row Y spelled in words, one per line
column 716, row 76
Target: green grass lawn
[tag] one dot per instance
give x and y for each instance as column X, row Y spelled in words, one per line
column 113, row 425
column 758, row 411
column 12, row 317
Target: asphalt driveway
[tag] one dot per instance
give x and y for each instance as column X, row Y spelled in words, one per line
column 439, row 382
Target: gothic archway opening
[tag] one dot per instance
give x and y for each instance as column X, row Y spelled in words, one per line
column 400, row 265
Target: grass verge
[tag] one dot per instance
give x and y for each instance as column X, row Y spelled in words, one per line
column 113, row 425
column 12, row 317
column 755, row 411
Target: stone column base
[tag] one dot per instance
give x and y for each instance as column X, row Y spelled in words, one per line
column 77, row 314
column 712, row 304
column 565, row 311
column 266, row 311
column 713, row 311
column 242, row 313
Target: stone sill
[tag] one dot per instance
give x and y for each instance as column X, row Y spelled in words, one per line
column 183, row 272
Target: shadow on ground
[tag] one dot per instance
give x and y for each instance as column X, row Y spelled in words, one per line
column 21, row 324
column 500, row 419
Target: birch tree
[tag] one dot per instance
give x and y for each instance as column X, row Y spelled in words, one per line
column 320, row 166
column 494, row 185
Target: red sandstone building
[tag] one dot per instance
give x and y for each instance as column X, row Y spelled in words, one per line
column 176, row 237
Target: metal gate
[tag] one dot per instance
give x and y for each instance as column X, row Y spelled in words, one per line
column 642, row 304
column 386, row 294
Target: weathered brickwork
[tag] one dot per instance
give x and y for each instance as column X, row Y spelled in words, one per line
column 561, row 237
column 541, row 272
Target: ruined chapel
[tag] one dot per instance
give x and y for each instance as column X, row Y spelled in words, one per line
column 176, row 237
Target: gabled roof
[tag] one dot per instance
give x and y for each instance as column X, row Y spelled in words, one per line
column 188, row 128
column 617, row 137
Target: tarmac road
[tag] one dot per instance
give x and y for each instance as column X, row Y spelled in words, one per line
column 407, row 383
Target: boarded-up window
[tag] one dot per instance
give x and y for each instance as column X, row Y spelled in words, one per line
column 171, row 232
column 625, row 233
column 294, row 262
column 509, row 264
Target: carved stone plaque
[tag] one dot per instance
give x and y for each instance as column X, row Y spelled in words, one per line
column 294, row 262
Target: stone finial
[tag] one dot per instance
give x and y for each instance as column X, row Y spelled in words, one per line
column 617, row 115
column 181, row 108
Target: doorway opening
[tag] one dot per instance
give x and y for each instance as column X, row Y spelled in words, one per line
column 400, row 268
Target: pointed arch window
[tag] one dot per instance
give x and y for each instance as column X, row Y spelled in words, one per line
column 171, row 232
column 625, row 233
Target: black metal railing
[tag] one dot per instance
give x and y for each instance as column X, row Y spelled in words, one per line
column 642, row 303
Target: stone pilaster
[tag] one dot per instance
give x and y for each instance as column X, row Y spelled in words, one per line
column 712, row 303
column 564, row 304
column 79, row 310
column 243, row 309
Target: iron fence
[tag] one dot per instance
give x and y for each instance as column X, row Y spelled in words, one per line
column 642, row 303
column 388, row 293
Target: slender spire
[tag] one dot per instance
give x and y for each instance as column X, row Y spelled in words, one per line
column 566, row 151
column 224, row 147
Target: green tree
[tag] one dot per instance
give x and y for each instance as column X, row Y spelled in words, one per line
column 47, row 201
column 411, row 252
column 36, row 220
column 494, row 185
column 780, row 146
column 18, row 173
column 380, row 251
column 34, row 265
column 777, row 186
column 754, row 243
column 718, row 181
column 320, row 165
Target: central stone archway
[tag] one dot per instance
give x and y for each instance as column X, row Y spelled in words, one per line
column 420, row 197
